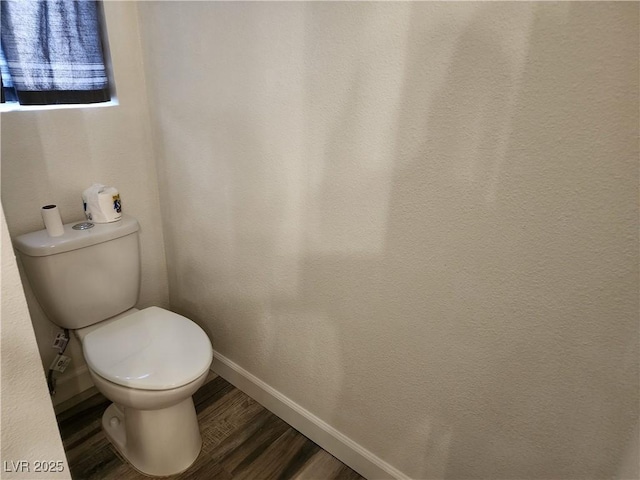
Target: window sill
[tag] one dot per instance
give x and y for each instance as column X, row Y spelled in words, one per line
column 14, row 107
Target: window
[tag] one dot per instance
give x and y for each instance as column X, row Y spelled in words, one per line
column 53, row 53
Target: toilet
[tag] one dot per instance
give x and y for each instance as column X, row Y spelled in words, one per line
column 148, row 362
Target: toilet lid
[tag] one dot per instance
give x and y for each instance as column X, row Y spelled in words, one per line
column 151, row 349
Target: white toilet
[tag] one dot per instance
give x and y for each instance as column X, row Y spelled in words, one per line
column 147, row 362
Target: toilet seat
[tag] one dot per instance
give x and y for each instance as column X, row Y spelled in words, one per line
column 151, row 349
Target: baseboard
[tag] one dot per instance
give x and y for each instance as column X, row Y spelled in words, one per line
column 72, row 385
column 337, row 444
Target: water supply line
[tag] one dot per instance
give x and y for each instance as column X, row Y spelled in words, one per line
column 60, row 362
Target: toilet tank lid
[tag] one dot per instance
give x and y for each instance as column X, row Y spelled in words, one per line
column 40, row 244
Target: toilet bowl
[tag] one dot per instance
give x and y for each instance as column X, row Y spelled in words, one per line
column 156, row 431
column 148, row 362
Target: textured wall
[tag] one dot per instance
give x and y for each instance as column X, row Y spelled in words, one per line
column 52, row 156
column 416, row 220
column 29, row 429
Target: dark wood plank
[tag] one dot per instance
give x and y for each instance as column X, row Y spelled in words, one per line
column 321, row 466
column 97, row 461
column 211, row 392
column 346, row 473
column 253, row 446
column 273, row 460
column 241, row 441
column 300, row 459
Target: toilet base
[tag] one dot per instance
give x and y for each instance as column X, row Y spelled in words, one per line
column 155, row 442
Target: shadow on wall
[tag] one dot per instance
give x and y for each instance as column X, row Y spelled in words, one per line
column 501, row 196
column 401, row 277
column 455, row 118
column 32, row 173
column 451, row 294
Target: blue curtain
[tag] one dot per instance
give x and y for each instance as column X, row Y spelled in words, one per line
column 52, row 52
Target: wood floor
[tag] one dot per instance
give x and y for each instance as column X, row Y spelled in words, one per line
column 241, row 440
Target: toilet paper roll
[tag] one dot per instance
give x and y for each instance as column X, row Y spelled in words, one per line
column 102, row 204
column 52, row 220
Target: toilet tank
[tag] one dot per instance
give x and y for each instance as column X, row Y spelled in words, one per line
column 83, row 276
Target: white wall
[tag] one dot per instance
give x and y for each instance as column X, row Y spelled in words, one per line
column 630, row 465
column 417, row 221
column 28, row 425
column 52, row 156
